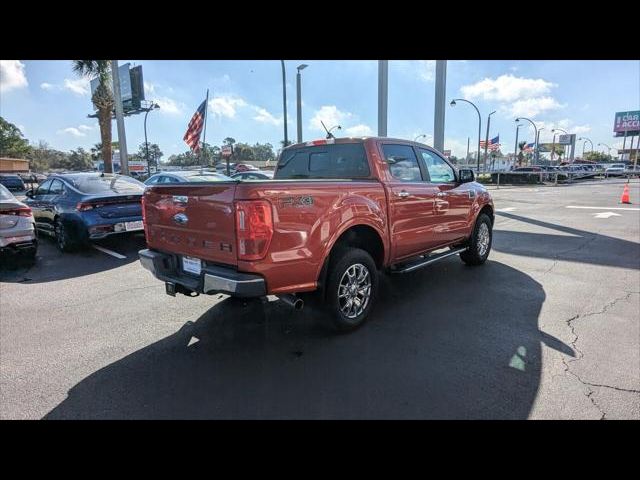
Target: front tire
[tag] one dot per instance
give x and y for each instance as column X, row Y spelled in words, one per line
column 352, row 287
column 480, row 242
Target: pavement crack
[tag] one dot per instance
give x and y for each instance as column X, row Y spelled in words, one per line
column 580, row 355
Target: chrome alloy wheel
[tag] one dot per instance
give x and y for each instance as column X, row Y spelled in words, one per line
column 483, row 239
column 354, row 290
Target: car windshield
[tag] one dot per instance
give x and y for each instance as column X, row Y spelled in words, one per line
column 5, row 194
column 92, row 184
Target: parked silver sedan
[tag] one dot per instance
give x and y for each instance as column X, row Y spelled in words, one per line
column 184, row 176
column 17, row 226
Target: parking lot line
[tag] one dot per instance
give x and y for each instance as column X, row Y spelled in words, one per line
column 109, row 252
column 605, row 208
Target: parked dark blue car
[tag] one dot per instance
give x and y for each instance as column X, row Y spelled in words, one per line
column 78, row 207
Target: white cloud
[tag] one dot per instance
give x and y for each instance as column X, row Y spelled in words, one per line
column 531, row 107
column 79, row 131
column 459, row 148
column 149, row 88
column 76, row 132
column 360, row 130
column 330, row 115
column 507, row 88
column 423, row 69
column 226, row 106
column 564, row 124
column 12, row 75
column 264, row 116
column 79, row 86
column 48, row 86
column 169, row 106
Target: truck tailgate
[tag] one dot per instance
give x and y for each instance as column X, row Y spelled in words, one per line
column 193, row 220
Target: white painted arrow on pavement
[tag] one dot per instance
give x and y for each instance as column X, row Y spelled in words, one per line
column 606, row 215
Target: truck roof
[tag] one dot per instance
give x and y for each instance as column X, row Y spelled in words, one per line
column 338, row 140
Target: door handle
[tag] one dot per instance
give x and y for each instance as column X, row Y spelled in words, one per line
column 441, row 194
column 403, row 194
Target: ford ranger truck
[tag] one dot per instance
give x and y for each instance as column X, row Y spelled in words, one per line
column 337, row 214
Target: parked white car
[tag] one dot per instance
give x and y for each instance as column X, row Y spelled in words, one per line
column 17, row 227
column 617, row 169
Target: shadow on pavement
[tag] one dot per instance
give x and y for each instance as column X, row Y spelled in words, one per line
column 579, row 246
column 450, row 341
column 52, row 265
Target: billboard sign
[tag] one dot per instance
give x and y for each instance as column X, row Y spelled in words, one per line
column 627, row 122
column 566, row 139
column 226, row 151
column 131, row 86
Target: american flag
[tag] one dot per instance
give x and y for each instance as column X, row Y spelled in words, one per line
column 192, row 137
column 494, row 143
column 528, row 147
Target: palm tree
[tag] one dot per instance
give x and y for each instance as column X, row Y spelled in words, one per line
column 521, row 146
column 102, row 98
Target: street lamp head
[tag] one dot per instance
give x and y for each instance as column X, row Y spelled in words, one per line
column 453, row 103
column 302, row 67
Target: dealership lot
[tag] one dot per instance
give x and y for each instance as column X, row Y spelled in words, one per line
column 548, row 328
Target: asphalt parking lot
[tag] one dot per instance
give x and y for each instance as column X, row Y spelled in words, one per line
column 548, row 328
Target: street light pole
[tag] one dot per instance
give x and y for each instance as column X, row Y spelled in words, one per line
column 538, row 141
column 535, row 134
column 284, row 102
column 486, row 139
column 146, row 143
column 299, row 102
column 515, row 149
column 586, row 140
column 422, row 135
column 605, row 145
column 453, row 104
column 383, row 93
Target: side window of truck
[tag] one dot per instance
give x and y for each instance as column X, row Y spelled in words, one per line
column 439, row 170
column 403, row 163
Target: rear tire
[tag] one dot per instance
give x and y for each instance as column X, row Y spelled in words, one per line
column 352, row 288
column 66, row 240
column 480, row 242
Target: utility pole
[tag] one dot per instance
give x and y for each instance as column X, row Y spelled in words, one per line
column 466, row 159
column 284, row 103
column 438, row 118
column 383, row 89
column 122, row 138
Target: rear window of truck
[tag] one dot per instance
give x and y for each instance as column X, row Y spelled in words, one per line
column 346, row 160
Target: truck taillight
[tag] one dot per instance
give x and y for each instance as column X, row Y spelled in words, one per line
column 254, row 228
column 84, row 206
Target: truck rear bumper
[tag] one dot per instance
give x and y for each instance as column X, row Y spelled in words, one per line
column 213, row 279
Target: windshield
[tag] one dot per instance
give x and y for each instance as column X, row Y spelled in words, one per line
column 346, row 160
column 92, row 184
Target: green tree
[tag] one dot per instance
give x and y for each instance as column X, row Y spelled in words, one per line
column 43, row 158
column 12, row 143
column 102, row 98
column 263, row 152
column 79, row 159
column 229, row 141
column 155, row 154
column 521, row 146
column 598, row 157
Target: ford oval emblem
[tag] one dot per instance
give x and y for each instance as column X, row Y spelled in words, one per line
column 180, row 219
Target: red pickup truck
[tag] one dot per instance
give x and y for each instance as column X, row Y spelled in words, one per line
column 336, row 214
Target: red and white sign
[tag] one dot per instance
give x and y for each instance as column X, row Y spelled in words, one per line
column 227, row 151
column 447, row 153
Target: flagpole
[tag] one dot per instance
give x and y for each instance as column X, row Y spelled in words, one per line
column 204, row 133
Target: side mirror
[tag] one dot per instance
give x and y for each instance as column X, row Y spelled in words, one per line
column 466, row 175
column 30, row 193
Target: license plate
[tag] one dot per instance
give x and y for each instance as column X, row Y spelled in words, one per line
column 132, row 226
column 192, row 265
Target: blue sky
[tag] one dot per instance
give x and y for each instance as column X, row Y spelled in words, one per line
column 49, row 103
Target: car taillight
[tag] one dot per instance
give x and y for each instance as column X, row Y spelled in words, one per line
column 254, row 228
column 84, row 206
column 18, row 212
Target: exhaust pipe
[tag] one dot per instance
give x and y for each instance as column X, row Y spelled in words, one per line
column 292, row 301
